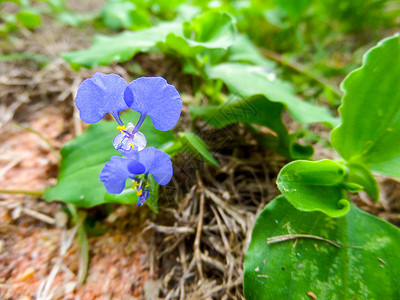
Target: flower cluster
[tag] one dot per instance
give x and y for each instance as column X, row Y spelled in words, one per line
column 150, row 96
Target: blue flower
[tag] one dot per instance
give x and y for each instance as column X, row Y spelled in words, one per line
column 154, row 97
column 148, row 161
column 99, row 95
column 150, row 96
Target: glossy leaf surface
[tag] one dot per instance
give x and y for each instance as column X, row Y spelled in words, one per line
column 370, row 111
column 248, row 80
column 364, row 264
column 213, row 30
column 122, row 47
column 315, row 186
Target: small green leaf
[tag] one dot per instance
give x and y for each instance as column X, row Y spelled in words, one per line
column 85, row 156
column 116, row 14
column 248, row 80
column 75, row 19
column 254, row 110
column 364, row 264
column 370, row 111
column 122, row 47
column 212, row 30
column 196, row 144
column 315, row 186
column 29, row 18
column 119, row 14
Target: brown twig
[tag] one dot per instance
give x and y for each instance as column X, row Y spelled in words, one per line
column 281, row 238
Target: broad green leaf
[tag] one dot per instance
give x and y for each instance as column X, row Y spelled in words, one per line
column 364, row 264
column 315, row 186
column 29, row 18
column 248, row 80
column 244, row 50
column 254, row 110
column 195, row 144
column 370, row 111
column 122, row 47
column 85, row 156
column 212, row 30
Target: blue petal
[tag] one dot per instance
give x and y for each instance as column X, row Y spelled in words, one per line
column 129, row 153
column 136, row 167
column 115, row 173
column 154, row 97
column 156, row 162
column 99, row 95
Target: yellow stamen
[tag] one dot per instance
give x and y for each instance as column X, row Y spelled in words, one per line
column 139, row 192
column 121, row 128
column 147, row 184
column 132, row 145
column 135, row 184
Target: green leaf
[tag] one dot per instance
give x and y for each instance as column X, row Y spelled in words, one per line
column 370, row 111
column 244, row 50
column 212, row 30
column 254, row 110
column 248, row 80
column 122, row 47
column 195, row 144
column 29, row 18
column 315, row 186
column 119, row 14
column 75, row 19
column 366, row 266
column 116, row 14
column 294, row 8
column 361, row 175
column 85, row 156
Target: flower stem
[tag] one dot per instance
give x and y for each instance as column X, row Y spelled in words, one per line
column 139, row 123
column 118, row 119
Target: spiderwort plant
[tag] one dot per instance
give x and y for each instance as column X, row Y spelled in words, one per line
column 151, row 97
